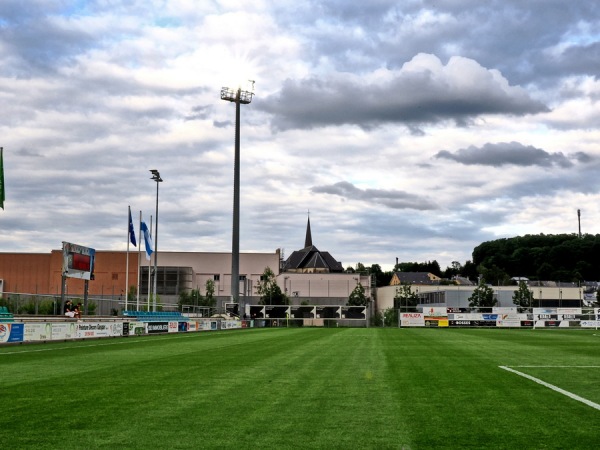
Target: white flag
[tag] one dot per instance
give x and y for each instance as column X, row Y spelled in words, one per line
column 147, row 240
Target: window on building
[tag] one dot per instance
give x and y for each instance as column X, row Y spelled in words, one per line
column 169, row 280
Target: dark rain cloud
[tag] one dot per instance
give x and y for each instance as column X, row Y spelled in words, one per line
column 388, row 198
column 511, row 153
column 424, row 92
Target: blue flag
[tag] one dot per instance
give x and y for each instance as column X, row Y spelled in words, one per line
column 131, row 230
column 147, row 240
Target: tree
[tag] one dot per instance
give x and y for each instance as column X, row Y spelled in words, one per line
column 357, row 296
column 269, row 291
column 405, row 298
column 523, row 297
column 494, row 274
column 191, row 298
column 482, row 297
column 210, row 299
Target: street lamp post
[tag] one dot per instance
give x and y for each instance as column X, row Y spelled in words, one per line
column 156, row 177
column 238, row 97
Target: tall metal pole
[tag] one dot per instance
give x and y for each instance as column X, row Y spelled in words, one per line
column 155, row 251
column 238, row 97
column 156, row 177
column 235, row 236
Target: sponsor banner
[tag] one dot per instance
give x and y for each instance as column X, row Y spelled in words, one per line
column 508, row 322
column 493, row 317
column 572, row 311
column 544, row 310
column 454, row 309
column 158, row 327
column 173, row 327
column 526, row 323
column 436, row 322
column 231, row 324
column 37, row 332
column 64, row 330
column 183, row 327
column 137, row 328
column 99, row 329
column 460, row 323
column 474, row 316
column 11, row 332
column 205, row 325
column 590, row 323
column 412, row 320
column 545, row 316
column 568, row 317
column 472, row 323
column 192, row 326
column 549, row 323
column 515, row 316
column 505, row 310
column 436, row 311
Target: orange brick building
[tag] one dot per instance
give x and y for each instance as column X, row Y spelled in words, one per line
column 40, row 273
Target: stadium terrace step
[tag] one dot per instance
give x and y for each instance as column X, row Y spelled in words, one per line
column 5, row 316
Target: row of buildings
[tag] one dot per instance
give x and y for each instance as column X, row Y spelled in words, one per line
column 307, row 276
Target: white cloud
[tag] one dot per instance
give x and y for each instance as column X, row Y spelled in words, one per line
column 362, row 96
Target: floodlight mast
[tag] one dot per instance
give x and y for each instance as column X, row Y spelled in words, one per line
column 239, row 97
column 155, row 177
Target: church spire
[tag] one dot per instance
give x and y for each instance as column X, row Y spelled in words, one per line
column 308, row 240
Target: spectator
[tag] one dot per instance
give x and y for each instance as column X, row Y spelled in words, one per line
column 78, row 311
column 69, row 311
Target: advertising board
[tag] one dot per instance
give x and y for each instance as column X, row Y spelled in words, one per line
column 11, row 332
column 412, row 320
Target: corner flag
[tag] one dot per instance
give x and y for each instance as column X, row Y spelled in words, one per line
column 147, row 240
column 2, row 195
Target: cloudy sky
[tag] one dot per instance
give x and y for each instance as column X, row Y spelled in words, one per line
column 410, row 129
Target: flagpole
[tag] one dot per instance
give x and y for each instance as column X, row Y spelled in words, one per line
column 149, row 266
column 127, row 258
column 137, row 297
column 2, row 188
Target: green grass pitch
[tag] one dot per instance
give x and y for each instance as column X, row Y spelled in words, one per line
column 306, row 388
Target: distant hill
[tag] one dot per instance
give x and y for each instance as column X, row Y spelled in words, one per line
column 560, row 257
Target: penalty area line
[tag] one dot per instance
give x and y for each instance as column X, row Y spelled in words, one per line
column 554, row 388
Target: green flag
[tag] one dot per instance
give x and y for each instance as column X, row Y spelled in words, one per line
column 2, row 196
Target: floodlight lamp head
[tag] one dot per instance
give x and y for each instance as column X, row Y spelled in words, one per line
column 155, row 176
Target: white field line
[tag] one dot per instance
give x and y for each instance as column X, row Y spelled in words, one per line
column 554, row 388
column 561, row 367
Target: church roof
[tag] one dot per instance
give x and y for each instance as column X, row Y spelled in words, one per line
column 311, row 258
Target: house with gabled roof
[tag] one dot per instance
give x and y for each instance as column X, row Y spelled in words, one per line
column 426, row 278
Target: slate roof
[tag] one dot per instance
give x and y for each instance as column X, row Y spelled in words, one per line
column 415, row 278
column 310, row 258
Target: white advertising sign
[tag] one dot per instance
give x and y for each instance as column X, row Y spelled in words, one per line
column 37, row 332
column 435, row 311
column 412, row 320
